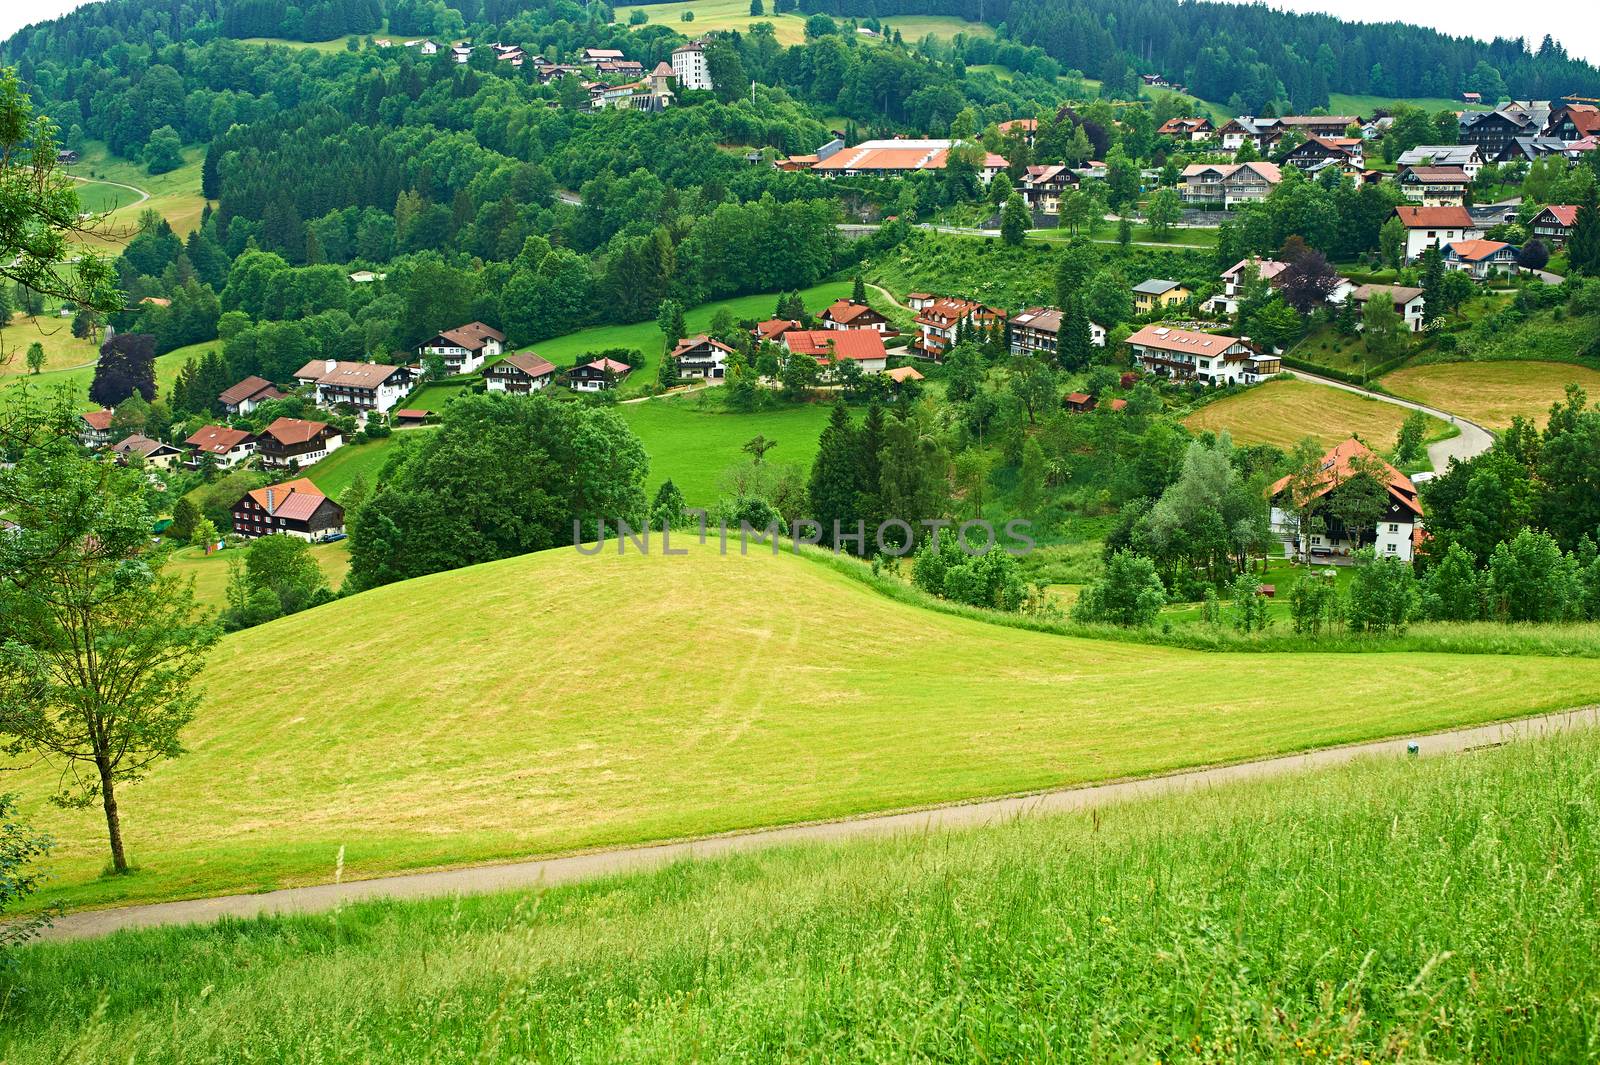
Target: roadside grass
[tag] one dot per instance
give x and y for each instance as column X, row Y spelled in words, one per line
column 62, row 350
column 176, row 194
column 1385, row 910
column 695, row 439
column 647, row 338
column 1492, row 393
column 210, row 572
column 1282, row 412
column 1326, row 346
column 603, row 700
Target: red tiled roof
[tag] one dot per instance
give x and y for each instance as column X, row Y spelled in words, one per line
column 1435, row 217
column 296, row 500
column 412, row 413
column 1336, row 469
column 855, row 344
column 99, row 419
column 217, row 439
column 367, row 375
column 294, row 430
column 1475, row 250
column 471, row 336
column 846, row 311
column 773, row 328
column 902, row 374
column 688, row 344
column 140, row 444
column 1167, row 338
column 1564, row 214
column 607, row 366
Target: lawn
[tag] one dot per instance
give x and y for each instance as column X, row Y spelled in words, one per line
column 1492, row 393
column 1281, row 574
column 77, row 380
column 1283, row 412
column 710, row 15
column 1177, row 237
column 1328, row 347
column 693, row 439
column 646, row 337
column 1387, row 910
column 915, row 27
column 560, row 701
column 210, row 572
column 1343, row 103
column 176, row 194
column 339, row 470
column 62, row 350
column 337, row 44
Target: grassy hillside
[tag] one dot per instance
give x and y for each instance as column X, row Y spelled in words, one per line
column 62, row 350
column 176, row 194
column 1386, row 911
column 210, row 572
column 560, row 701
column 1283, row 412
column 77, row 379
column 1492, row 393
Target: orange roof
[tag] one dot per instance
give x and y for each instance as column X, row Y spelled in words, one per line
column 294, row 430
column 901, row 374
column 99, row 419
column 1435, row 217
column 843, row 311
column 296, row 500
column 1167, row 338
column 1337, row 468
column 1474, row 250
column 217, row 439
column 773, row 328
column 856, row 344
column 607, row 366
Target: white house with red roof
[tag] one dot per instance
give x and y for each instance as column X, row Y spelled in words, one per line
column 864, row 347
column 597, row 376
column 297, row 442
column 1435, row 227
column 248, row 394
column 896, row 157
column 1481, row 259
column 701, row 358
column 94, row 427
column 1553, row 224
column 1187, row 355
column 1395, row 534
column 365, row 386
column 941, row 318
column 519, row 374
column 227, row 447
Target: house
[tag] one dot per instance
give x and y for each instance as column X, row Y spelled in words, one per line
column 1463, row 155
column 1408, row 302
column 940, row 319
column 1185, row 355
column 1036, row 331
column 601, row 55
column 864, row 347
column 521, row 373
column 1434, row 227
column 248, row 394
column 1233, row 282
column 1078, row 402
column 366, row 277
column 1029, row 128
column 1315, row 125
column 1530, row 149
column 690, row 68
column 410, row 417
column 896, row 157
column 701, row 358
column 1188, row 129
column 1235, row 132
column 1344, row 151
column 151, row 452
column 1229, row 183
column 365, row 386
column 769, row 331
column 901, row 375
column 918, row 301
column 464, row 348
column 597, row 376
column 293, row 508
column 848, row 314
column 1553, row 224
column 227, row 447
column 1393, row 535
column 1472, row 98
column 94, row 427
column 1481, row 259
column 1495, row 133
column 1158, row 292
column 628, row 68
column 66, row 156
column 1042, row 187
column 295, row 442
column 1574, row 122
column 1434, row 186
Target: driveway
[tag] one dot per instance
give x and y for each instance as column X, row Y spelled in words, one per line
column 549, row 872
column 1472, row 440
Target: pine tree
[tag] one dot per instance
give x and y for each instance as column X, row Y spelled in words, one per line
column 869, row 497
column 1583, row 248
column 1433, row 300
column 1074, row 343
column 859, row 292
column 836, row 476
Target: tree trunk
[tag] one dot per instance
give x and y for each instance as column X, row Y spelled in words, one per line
column 108, row 796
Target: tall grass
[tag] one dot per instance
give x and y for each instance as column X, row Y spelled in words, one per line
column 1384, row 911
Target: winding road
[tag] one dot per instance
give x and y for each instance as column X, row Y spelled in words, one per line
column 1472, row 440
column 549, row 872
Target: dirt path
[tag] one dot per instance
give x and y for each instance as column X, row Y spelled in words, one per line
column 1472, row 440
column 143, row 195
column 548, row 872
column 886, row 294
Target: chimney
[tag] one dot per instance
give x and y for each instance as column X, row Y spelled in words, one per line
column 328, row 365
column 271, row 508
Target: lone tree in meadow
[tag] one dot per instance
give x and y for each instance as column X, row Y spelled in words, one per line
column 35, row 357
column 98, row 648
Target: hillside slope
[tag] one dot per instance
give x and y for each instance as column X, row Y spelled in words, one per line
column 558, row 701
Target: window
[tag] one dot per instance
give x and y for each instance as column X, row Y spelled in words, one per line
column 1393, row 527
column 1390, row 548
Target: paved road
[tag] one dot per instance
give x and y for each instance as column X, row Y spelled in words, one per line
column 1473, row 439
column 552, row 871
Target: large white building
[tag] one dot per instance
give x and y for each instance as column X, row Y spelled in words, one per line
column 689, row 66
column 1185, row 355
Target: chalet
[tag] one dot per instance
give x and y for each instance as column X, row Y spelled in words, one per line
column 464, row 348
column 1344, row 151
column 1229, row 183
column 94, row 427
column 1408, row 302
column 248, row 394
column 1531, row 149
column 1472, row 98
column 597, row 376
column 1042, row 187
column 601, row 55
column 1188, row 129
column 365, row 386
column 940, row 319
column 1315, row 125
column 1495, row 133
column 701, row 358
column 1434, row 186
column 226, row 447
column 1029, row 128
column 1236, row 132
column 864, row 347
column 848, row 314
column 1036, row 331
column 1434, row 227
column 918, row 301
column 770, row 330
column 140, row 448
column 1184, row 355
column 1158, row 292
column 293, row 508
column 1553, row 224
column 66, row 156
column 896, row 157
column 1078, row 402
column 628, row 68
column 1464, row 156
column 296, row 443
column 1393, row 535
column 461, row 53
column 1574, row 122
column 520, row 374
column 1234, row 280
column 1481, row 259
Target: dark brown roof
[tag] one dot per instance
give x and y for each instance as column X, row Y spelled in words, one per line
column 247, row 389
column 294, row 430
column 529, row 363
